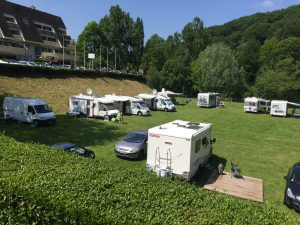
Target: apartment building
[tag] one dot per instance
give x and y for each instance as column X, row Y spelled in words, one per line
column 29, row 34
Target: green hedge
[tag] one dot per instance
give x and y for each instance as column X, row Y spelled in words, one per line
column 40, row 185
column 33, row 71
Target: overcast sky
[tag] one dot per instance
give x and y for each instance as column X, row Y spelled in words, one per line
column 163, row 17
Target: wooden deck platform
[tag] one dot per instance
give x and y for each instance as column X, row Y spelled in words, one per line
column 247, row 187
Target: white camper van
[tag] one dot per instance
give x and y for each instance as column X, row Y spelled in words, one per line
column 158, row 102
column 92, row 106
column 169, row 94
column 280, row 108
column 28, row 110
column 254, row 104
column 208, row 100
column 179, row 148
column 130, row 105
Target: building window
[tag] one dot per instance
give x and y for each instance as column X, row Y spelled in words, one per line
column 63, row 32
column 15, row 32
column 38, row 26
column 51, row 39
column 10, row 19
column 44, row 27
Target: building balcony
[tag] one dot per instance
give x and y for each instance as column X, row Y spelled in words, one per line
column 51, row 44
column 57, row 57
column 9, row 50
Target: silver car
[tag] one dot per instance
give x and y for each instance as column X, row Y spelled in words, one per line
column 134, row 145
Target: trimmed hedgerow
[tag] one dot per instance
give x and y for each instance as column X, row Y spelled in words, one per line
column 41, row 185
column 36, row 71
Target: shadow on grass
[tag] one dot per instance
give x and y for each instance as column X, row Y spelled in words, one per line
column 201, row 178
column 83, row 131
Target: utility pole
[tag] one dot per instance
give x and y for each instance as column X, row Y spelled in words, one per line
column 63, row 51
column 84, row 54
column 75, row 57
column 107, row 59
column 100, row 59
column 115, row 59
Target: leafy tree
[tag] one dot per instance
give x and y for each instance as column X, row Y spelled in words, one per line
column 194, row 37
column 217, row 69
column 153, row 78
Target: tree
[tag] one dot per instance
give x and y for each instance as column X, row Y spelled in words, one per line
column 154, row 78
column 217, row 70
column 194, row 37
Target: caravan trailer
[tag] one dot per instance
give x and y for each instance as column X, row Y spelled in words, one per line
column 253, row 104
column 208, row 100
column 130, row 105
column 280, row 108
column 158, row 102
column 179, row 148
column 28, row 110
column 92, row 106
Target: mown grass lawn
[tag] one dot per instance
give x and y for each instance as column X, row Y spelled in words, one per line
column 263, row 146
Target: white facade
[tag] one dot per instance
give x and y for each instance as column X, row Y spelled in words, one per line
column 280, row 108
column 253, row 104
column 179, row 148
column 28, row 110
column 92, row 106
column 130, row 105
column 208, row 100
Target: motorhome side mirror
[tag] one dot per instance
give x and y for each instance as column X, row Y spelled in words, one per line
column 212, row 141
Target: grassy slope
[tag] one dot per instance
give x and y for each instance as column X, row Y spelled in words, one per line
column 263, row 146
column 56, row 91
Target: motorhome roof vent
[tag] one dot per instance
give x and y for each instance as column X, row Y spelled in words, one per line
column 179, row 125
column 195, row 127
column 160, row 127
column 193, row 123
column 175, row 123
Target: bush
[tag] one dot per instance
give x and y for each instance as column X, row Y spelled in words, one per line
column 33, row 71
column 40, row 185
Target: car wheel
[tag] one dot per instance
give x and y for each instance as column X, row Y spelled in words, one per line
column 139, row 113
column 35, row 123
column 141, row 154
column 166, row 110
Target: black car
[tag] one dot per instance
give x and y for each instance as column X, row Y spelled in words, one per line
column 72, row 148
column 292, row 189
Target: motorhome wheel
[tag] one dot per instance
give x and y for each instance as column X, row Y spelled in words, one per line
column 166, row 110
column 139, row 113
column 35, row 123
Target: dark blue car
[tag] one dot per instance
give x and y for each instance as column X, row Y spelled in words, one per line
column 292, row 189
column 72, row 148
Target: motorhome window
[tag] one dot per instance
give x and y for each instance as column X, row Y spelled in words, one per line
column 135, row 105
column 252, row 103
column 42, row 109
column 109, row 106
column 198, row 146
column 205, row 141
column 168, row 102
column 135, row 138
column 142, row 104
column 275, row 106
column 31, row 110
column 101, row 107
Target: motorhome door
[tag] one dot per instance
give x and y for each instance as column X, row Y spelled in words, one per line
column 29, row 115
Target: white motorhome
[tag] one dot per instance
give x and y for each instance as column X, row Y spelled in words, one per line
column 179, row 148
column 130, row 105
column 92, row 106
column 280, row 108
column 208, row 100
column 158, row 102
column 169, row 94
column 253, row 104
column 28, row 110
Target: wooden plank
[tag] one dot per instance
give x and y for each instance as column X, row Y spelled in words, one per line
column 246, row 187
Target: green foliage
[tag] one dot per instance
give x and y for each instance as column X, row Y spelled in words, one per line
column 154, row 78
column 217, row 70
column 21, row 71
column 40, row 185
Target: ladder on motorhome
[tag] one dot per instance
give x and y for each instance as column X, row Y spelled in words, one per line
column 165, row 159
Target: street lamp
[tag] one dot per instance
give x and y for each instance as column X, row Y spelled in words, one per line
column 63, row 51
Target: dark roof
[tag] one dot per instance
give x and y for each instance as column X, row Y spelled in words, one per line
column 29, row 30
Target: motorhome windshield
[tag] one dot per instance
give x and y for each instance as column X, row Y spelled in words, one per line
column 109, row 106
column 42, row 109
column 169, row 102
column 143, row 105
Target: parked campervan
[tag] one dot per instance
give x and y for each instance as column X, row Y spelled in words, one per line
column 92, row 106
column 179, row 148
column 130, row 105
column 208, row 100
column 253, row 104
column 158, row 102
column 169, row 94
column 28, row 110
column 280, row 108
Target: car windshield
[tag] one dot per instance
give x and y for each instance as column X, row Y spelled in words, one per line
column 143, row 105
column 296, row 176
column 77, row 150
column 109, row 106
column 135, row 138
column 42, row 109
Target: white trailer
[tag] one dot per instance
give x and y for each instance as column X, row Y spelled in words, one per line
column 158, row 102
column 28, row 110
column 280, row 108
column 92, row 106
column 130, row 105
column 253, row 104
column 179, row 148
column 208, row 100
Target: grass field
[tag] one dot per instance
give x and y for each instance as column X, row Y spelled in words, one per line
column 263, row 146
